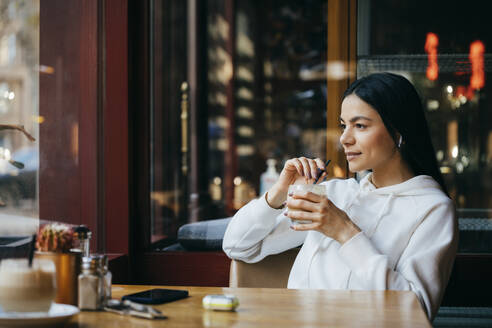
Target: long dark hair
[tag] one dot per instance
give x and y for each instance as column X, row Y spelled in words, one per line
column 400, row 107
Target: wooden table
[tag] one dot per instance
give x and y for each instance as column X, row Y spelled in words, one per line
column 269, row 307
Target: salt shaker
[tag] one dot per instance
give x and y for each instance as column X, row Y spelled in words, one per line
column 91, row 285
column 83, row 234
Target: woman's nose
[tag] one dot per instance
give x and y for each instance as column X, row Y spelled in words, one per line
column 346, row 137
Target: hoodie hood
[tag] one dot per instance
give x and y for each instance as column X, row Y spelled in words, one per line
column 418, row 185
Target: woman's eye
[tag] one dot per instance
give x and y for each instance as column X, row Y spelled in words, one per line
column 342, row 126
column 360, row 126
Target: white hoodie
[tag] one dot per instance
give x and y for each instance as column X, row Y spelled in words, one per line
column 408, row 240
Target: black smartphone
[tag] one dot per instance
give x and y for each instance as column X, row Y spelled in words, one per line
column 156, row 296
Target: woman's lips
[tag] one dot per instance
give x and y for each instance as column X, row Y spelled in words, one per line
column 352, row 155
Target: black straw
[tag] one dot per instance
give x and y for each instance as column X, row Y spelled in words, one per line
column 31, row 249
column 319, row 172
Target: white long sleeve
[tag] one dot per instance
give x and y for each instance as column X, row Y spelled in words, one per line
column 257, row 230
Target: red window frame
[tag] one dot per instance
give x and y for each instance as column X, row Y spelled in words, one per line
column 84, row 179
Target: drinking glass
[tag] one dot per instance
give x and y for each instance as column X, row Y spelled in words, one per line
column 314, row 188
column 25, row 288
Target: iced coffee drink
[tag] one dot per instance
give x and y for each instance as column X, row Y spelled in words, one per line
column 24, row 288
column 314, row 188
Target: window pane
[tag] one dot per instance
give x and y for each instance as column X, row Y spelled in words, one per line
column 443, row 47
column 19, row 98
column 168, row 186
column 277, row 107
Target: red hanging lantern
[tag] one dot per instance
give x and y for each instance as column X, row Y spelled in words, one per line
column 431, row 44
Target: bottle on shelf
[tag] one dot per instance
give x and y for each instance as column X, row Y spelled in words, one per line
column 269, row 177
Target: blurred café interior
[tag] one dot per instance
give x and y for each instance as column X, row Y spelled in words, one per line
column 152, row 122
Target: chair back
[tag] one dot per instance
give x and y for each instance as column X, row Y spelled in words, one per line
column 271, row 272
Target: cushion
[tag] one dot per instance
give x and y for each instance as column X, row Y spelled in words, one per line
column 454, row 317
column 14, row 247
column 203, row 235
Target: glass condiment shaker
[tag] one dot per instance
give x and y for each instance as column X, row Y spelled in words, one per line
column 106, row 274
column 83, row 234
column 108, row 277
column 91, row 285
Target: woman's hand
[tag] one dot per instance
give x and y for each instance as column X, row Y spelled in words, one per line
column 325, row 216
column 300, row 170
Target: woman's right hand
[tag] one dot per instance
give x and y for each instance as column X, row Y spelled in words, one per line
column 300, row 170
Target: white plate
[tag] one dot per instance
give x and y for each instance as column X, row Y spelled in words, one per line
column 57, row 315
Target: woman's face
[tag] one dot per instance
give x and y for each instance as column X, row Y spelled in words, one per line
column 365, row 140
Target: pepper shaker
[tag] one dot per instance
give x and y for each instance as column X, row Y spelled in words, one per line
column 102, row 262
column 108, row 277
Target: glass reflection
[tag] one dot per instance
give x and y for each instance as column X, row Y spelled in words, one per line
column 445, row 56
column 19, row 119
column 278, row 104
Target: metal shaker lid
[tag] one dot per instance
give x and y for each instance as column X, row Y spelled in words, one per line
column 82, row 232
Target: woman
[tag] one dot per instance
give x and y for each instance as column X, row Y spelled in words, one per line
column 395, row 229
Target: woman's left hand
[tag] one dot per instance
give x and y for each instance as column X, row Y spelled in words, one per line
column 325, row 216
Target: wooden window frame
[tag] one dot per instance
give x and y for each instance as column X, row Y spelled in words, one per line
column 84, row 165
column 342, row 48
